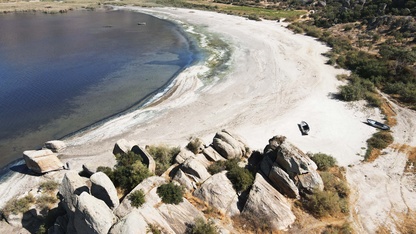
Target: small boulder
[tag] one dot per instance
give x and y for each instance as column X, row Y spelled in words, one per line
column 147, row 158
column 42, row 161
column 218, row 192
column 269, row 205
column 183, row 155
column 194, row 167
column 103, row 188
column 92, row 215
column 229, row 145
column 311, row 181
column 122, row 146
column 212, row 155
column 55, row 145
column 184, row 180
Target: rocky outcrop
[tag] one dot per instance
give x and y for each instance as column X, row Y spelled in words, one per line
column 280, row 179
column 218, row 192
column 293, row 160
column 89, row 168
column 183, row 155
column 311, row 181
column 184, row 180
column 103, row 188
column 42, row 161
column 147, row 158
column 269, row 205
column 122, row 146
column 229, row 145
column 194, row 167
column 72, row 185
column 92, row 215
column 55, row 145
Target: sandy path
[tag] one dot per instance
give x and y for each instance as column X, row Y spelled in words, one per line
column 276, row 79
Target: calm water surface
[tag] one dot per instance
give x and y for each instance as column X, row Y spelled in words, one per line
column 61, row 73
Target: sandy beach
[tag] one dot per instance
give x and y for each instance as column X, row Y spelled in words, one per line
column 275, row 79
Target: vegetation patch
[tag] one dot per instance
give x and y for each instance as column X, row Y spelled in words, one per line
column 164, row 156
column 170, row 193
column 18, row 206
column 379, row 141
column 249, row 223
column 128, row 172
column 49, row 186
column 137, row 198
column 324, row 161
column 200, row 226
column 241, row 178
column 338, row 229
column 195, row 145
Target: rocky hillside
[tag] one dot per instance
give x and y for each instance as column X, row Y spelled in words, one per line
column 89, row 202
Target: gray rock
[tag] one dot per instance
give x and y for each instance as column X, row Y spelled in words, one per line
column 281, row 181
column 55, row 145
column 311, row 181
column 183, row 155
column 92, row 215
column 212, row 155
column 147, row 158
column 103, row 188
column 196, row 168
column 146, row 186
column 229, row 145
column 184, row 180
column 132, row 223
column 42, row 161
column 72, row 185
column 269, row 205
column 122, row 146
column 218, row 192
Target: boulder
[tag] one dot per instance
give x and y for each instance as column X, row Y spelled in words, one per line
column 218, row 192
column 92, row 215
column 89, row 168
column 103, row 188
column 184, row 180
column 183, row 155
column 55, row 145
column 147, row 158
column 130, row 224
column 281, row 181
column 42, row 161
column 212, row 155
column 311, row 181
column 122, row 146
column 229, row 145
column 269, row 205
column 146, row 186
column 194, row 167
column 72, row 185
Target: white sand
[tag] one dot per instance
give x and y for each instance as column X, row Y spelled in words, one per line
column 276, row 79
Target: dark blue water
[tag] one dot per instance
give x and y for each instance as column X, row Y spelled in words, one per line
column 61, row 73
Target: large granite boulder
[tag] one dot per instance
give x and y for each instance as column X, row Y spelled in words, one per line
column 147, row 158
column 72, row 185
column 183, row 155
column 278, row 178
column 269, row 205
column 55, row 145
column 194, row 167
column 92, row 215
column 218, row 192
column 42, row 161
column 311, row 181
column 184, row 180
column 229, row 145
column 132, row 223
column 122, row 146
column 211, row 154
column 103, row 188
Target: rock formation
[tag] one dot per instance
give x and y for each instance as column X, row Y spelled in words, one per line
column 102, row 188
column 42, row 161
column 122, row 146
column 147, row 158
column 55, row 145
column 229, row 145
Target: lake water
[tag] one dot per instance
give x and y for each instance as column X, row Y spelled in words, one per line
column 61, row 73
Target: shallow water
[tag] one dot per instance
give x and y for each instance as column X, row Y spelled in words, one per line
column 61, row 73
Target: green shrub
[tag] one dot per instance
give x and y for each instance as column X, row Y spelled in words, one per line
column 344, row 229
column 241, row 178
column 164, row 156
column 335, row 184
column 324, row 161
column 170, row 193
column 128, row 172
column 154, row 229
column 322, row 203
column 201, row 227
column 216, row 167
column 380, row 140
column 137, row 198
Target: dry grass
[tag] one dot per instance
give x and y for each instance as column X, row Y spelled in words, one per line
column 406, row 224
column 373, row 154
column 209, row 212
column 411, row 156
column 388, row 111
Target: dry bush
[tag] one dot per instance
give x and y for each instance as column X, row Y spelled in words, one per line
column 250, row 223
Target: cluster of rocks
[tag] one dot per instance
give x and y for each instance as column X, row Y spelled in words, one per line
column 92, row 206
